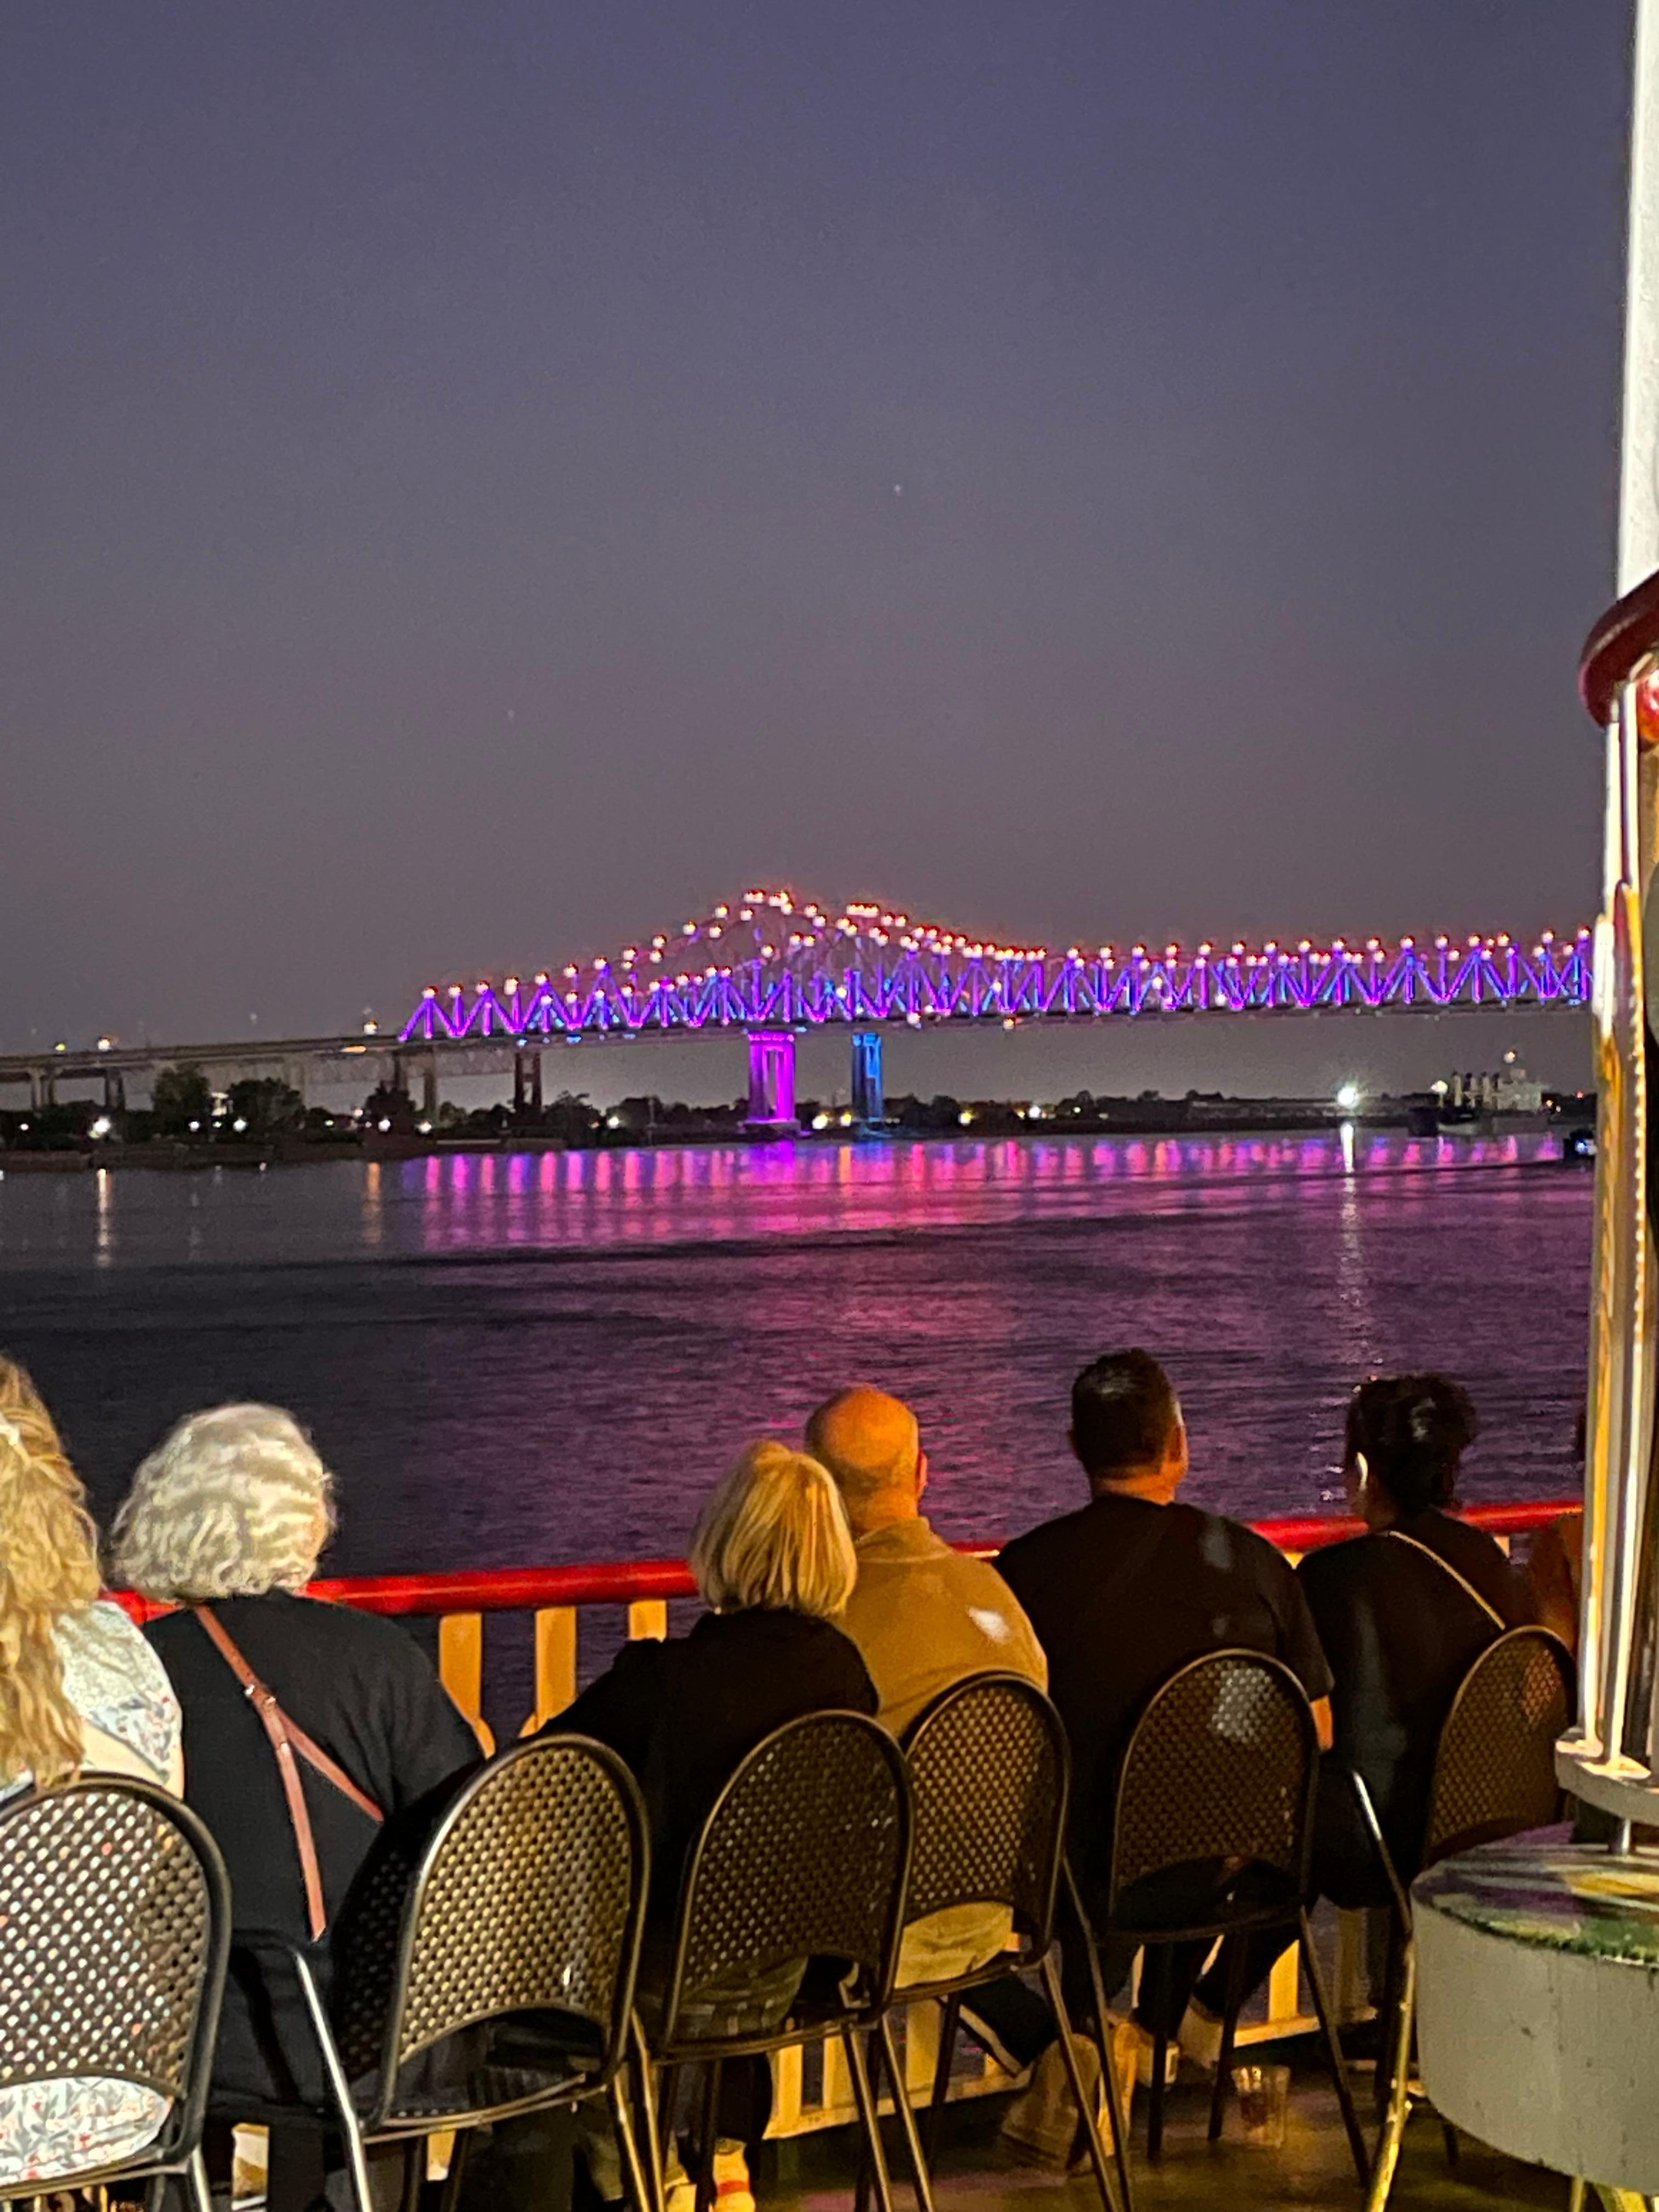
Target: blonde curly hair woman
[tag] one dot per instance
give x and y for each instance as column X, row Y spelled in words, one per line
column 79, row 1689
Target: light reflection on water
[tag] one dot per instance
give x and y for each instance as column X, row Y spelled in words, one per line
column 520, row 1357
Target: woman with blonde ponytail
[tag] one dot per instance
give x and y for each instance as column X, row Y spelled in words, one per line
column 80, row 1691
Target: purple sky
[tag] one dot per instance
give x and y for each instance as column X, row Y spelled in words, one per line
column 481, row 483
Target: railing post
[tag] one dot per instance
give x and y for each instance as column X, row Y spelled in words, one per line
column 460, row 1664
column 555, row 1664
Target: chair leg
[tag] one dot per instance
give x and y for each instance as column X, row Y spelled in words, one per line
column 198, row 2195
column 865, row 2179
column 1224, row 2063
column 1399, row 2030
column 866, row 2103
column 1097, row 1989
column 645, row 2082
column 1163, row 1982
column 1315, row 1973
column 641, row 2193
column 1382, row 2083
column 948, row 2016
column 1085, row 2104
column 708, row 2136
column 907, row 2118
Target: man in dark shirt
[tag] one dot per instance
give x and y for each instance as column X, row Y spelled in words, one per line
column 1134, row 1585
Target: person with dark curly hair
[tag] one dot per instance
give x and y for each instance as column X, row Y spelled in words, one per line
column 1403, row 1612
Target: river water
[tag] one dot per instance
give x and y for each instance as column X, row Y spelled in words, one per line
column 519, row 1358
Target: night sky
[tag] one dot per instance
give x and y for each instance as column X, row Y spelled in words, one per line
column 482, row 484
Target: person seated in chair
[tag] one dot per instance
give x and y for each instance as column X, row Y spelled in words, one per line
column 774, row 1562
column 81, row 1693
column 225, row 1521
column 1124, row 1593
column 1403, row 1612
column 925, row 1617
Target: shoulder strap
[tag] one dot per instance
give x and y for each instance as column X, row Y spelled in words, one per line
column 288, row 1738
column 1446, row 1567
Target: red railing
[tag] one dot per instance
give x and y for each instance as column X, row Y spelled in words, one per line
column 460, row 1599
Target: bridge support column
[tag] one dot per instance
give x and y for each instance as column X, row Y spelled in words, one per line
column 526, row 1081
column 869, row 1100
column 430, row 1089
column 771, row 1078
column 115, row 1091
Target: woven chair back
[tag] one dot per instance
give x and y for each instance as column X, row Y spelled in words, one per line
column 804, row 1856
column 989, row 1768
column 530, row 1897
column 114, row 1925
column 1221, row 1765
column 1494, row 1766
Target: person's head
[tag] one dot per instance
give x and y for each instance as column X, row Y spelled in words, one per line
column 48, row 1567
column 234, row 1503
column 774, row 1535
column 872, row 1445
column 1406, row 1436
column 1127, row 1429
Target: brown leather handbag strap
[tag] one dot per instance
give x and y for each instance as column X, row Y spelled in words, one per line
column 287, row 1738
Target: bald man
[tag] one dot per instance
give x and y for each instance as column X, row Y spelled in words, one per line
column 923, row 1615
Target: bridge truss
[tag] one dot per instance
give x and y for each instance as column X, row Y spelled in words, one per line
column 770, row 961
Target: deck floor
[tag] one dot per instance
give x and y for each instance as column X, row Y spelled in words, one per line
column 1312, row 2170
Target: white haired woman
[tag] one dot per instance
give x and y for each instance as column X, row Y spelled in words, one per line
column 227, row 1520
column 774, row 1561
column 80, row 1691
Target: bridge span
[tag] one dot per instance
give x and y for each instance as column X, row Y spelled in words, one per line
column 770, row 966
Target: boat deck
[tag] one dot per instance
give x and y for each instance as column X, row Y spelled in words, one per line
column 815, row 2174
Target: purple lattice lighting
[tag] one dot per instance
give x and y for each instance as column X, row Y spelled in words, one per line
column 770, row 960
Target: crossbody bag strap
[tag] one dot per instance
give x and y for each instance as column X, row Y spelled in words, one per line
column 1446, row 1567
column 287, row 1740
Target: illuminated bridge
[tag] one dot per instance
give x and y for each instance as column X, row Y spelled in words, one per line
column 770, row 965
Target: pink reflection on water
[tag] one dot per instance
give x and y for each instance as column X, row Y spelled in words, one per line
column 478, row 1201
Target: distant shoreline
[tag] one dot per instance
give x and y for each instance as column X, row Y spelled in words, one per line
column 1163, row 1118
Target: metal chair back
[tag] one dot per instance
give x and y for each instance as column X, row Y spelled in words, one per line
column 114, row 1935
column 1222, row 1765
column 1494, row 1765
column 529, row 1897
column 990, row 1769
column 805, row 1855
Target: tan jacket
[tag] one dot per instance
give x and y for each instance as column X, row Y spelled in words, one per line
column 924, row 1617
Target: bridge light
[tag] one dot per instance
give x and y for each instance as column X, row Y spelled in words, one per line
column 1304, row 946
column 454, row 990
column 541, row 975
column 1407, row 944
column 371, row 1027
column 966, row 1117
column 104, row 1043
column 1441, row 943
column 512, row 983
column 1548, row 936
column 720, row 913
column 1348, row 1097
column 430, row 992
column 60, row 1046
column 1008, row 1022
column 102, row 1126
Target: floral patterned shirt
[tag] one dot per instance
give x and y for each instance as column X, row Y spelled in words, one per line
column 116, row 1683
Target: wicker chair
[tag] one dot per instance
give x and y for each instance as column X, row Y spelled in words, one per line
column 117, row 1930
column 520, row 1919
column 803, row 1858
column 1494, row 1776
column 990, row 1768
column 1220, row 1772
